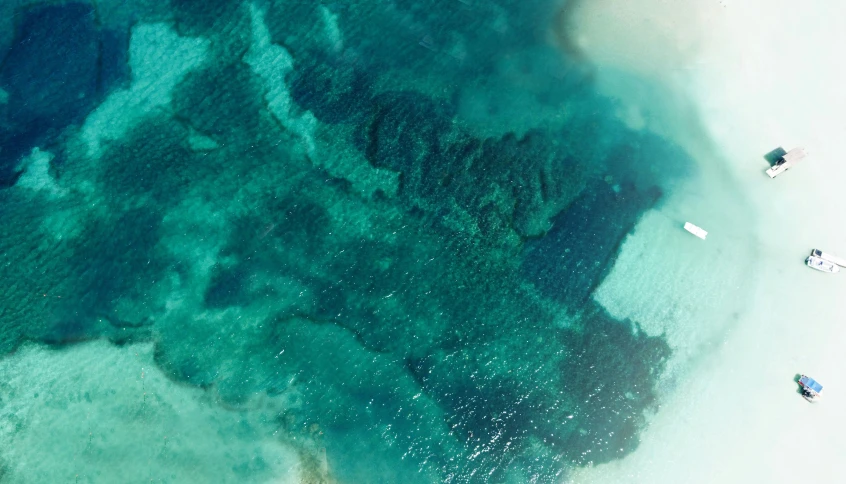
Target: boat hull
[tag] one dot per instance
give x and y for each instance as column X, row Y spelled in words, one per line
column 697, row 231
column 822, row 265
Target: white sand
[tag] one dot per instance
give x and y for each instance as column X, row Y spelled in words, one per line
column 749, row 76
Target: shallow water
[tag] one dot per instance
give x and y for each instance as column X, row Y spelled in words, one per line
column 360, row 243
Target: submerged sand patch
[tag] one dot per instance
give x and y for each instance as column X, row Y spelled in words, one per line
column 100, row 413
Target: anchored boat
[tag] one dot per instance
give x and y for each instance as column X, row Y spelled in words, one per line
column 697, row 231
column 787, row 161
column 828, row 257
column 811, row 388
column 822, row 265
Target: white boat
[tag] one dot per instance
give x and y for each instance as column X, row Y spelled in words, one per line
column 787, row 161
column 828, row 257
column 697, row 231
column 822, row 265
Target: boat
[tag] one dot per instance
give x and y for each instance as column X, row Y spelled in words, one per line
column 787, row 161
column 828, row 257
column 697, row 231
column 822, row 265
column 811, row 389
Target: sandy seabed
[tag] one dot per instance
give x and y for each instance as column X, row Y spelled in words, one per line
column 747, row 77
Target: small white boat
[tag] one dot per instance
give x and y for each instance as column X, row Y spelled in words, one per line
column 787, row 161
column 822, row 265
column 697, row 231
column 828, row 257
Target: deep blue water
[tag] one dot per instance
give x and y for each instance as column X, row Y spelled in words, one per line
column 417, row 324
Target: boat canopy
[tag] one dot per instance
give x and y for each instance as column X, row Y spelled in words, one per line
column 810, row 384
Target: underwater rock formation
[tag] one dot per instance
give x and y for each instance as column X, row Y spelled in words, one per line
column 59, row 67
column 569, row 262
column 416, row 334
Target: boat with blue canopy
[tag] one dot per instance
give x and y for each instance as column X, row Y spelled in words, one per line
column 811, row 388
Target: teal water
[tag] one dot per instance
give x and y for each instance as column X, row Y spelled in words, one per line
column 359, row 237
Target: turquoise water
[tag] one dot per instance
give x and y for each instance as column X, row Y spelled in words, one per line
column 347, row 242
